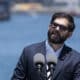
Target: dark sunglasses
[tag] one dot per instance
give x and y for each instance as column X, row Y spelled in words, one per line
column 61, row 27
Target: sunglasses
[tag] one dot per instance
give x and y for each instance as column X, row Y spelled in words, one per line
column 59, row 26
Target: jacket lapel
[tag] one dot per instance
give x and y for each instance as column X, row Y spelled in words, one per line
column 61, row 61
column 41, row 48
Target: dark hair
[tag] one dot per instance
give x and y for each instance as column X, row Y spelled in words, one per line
column 64, row 15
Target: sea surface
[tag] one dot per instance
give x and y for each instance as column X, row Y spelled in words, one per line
column 22, row 30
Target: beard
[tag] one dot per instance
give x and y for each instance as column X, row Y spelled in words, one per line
column 56, row 38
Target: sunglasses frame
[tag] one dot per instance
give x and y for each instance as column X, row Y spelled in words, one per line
column 60, row 26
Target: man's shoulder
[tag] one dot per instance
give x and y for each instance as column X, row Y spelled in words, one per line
column 72, row 51
column 75, row 54
column 35, row 45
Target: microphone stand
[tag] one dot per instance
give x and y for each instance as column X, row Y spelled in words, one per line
column 42, row 75
column 51, row 66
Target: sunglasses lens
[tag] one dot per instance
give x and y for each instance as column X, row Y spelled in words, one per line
column 61, row 27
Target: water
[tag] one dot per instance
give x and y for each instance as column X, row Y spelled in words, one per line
column 23, row 30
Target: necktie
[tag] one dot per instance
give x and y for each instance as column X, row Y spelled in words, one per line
column 48, row 73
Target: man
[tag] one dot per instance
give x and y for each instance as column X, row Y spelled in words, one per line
column 68, row 66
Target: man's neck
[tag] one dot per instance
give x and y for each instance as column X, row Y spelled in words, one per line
column 56, row 46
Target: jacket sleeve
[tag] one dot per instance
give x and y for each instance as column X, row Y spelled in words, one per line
column 21, row 68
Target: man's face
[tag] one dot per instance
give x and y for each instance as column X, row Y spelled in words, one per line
column 58, row 31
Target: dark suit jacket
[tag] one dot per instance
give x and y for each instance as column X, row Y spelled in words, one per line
column 67, row 68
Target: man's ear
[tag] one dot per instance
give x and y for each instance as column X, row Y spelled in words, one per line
column 70, row 34
column 49, row 27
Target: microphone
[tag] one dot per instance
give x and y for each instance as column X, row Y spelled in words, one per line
column 39, row 61
column 51, row 60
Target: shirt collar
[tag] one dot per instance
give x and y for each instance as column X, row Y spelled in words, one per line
column 49, row 49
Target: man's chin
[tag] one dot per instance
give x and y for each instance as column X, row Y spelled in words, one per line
column 56, row 42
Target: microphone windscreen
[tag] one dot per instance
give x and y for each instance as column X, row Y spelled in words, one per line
column 39, row 58
column 51, row 58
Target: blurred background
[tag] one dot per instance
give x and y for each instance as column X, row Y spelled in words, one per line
column 23, row 22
